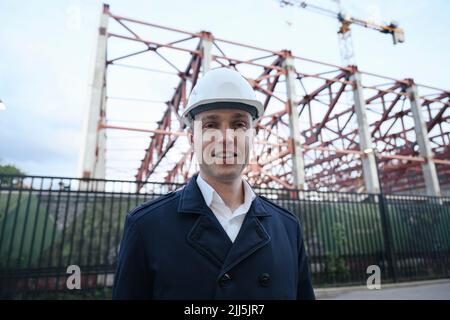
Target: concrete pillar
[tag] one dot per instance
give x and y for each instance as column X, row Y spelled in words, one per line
column 369, row 165
column 298, row 165
column 206, row 51
column 93, row 165
column 428, row 168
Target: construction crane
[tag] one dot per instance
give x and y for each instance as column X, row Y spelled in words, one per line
column 344, row 32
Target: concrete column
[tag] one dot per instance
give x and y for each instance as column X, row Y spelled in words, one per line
column 370, row 170
column 93, row 165
column 428, row 168
column 206, row 51
column 298, row 164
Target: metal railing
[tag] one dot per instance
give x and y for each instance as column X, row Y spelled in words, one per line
column 50, row 223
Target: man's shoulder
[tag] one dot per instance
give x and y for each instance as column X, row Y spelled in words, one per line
column 154, row 206
column 274, row 207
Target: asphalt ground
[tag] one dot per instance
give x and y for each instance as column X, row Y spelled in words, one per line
column 424, row 290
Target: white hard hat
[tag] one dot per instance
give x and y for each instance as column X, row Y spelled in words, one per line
column 222, row 88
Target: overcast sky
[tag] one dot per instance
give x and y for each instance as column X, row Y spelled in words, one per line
column 47, row 49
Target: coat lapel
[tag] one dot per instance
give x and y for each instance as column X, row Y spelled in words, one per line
column 209, row 238
column 207, row 235
column 251, row 237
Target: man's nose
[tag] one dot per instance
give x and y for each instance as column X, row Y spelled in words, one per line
column 226, row 133
column 226, row 137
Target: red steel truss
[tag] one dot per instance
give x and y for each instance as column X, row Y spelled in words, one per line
column 323, row 102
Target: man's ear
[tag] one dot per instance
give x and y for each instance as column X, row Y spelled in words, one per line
column 190, row 136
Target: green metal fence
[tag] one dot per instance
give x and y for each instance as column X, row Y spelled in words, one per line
column 48, row 223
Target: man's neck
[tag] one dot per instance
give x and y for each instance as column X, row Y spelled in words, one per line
column 231, row 191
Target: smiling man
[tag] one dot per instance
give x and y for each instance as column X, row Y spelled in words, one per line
column 215, row 238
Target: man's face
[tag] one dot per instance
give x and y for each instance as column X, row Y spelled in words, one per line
column 222, row 141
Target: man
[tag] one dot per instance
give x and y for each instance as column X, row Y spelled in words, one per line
column 214, row 238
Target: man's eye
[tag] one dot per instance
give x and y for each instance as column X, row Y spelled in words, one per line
column 208, row 125
column 241, row 125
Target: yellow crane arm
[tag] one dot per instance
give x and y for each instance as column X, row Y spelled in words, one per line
column 397, row 33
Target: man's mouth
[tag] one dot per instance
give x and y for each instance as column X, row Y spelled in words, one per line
column 224, row 155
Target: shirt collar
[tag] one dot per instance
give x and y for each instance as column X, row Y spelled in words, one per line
column 210, row 195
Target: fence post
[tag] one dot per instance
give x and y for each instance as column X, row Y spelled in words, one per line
column 387, row 237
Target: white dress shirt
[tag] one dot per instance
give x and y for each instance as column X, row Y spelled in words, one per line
column 230, row 221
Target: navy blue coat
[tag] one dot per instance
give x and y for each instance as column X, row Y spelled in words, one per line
column 175, row 248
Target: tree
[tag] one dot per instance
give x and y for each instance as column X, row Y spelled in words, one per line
column 10, row 169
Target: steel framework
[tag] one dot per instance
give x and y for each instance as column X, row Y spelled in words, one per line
column 393, row 137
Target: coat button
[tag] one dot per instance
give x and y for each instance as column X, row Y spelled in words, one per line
column 264, row 279
column 225, row 280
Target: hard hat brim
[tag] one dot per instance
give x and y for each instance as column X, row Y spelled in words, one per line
column 224, row 105
column 255, row 108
